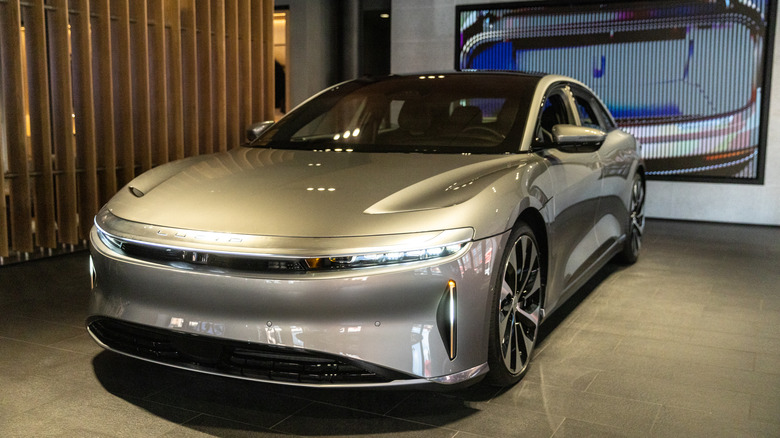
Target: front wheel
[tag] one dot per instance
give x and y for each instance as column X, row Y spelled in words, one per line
column 517, row 303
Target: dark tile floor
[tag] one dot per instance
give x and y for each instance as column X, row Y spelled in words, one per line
column 686, row 343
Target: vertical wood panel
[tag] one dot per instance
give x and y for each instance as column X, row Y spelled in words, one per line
column 232, row 74
column 189, row 49
column 21, row 213
column 157, row 81
column 104, row 99
column 40, row 125
column 220, row 89
column 62, row 123
column 9, row 29
column 139, row 48
column 84, row 110
column 245, row 67
column 3, row 207
column 175, row 102
column 205, row 106
column 123, row 91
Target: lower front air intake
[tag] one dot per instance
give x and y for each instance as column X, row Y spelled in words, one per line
column 237, row 359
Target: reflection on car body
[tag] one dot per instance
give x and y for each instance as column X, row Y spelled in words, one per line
column 406, row 230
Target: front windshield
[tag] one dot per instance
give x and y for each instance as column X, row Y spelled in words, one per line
column 461, row 113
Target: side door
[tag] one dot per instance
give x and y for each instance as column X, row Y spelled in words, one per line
column 616, row 155
column 576, row 172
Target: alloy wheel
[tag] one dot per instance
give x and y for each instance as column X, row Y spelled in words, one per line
column 519, row 305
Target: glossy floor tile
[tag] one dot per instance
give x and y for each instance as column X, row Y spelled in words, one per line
column 684, row 343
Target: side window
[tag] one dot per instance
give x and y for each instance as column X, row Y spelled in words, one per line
column 588, row 116
column 553, row 113
column 606, row 120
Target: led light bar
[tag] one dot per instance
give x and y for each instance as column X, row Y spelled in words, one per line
column 383, row 258
column 447, row 319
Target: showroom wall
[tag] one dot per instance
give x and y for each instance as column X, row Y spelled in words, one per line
column 423, row 39
column 313, row 42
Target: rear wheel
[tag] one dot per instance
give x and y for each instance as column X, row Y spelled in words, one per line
column 636, row 222
column 517, row 304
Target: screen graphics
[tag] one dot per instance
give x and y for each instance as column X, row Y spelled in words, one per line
column 687, row 78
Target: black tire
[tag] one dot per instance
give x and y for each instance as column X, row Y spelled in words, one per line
column 516, row 308
column 632, row 246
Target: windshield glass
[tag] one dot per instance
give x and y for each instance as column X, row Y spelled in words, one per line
column 460, row 113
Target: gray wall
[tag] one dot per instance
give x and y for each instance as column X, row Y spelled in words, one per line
column 423, row 39
column 313, row 44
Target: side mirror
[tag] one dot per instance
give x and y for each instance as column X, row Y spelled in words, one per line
column 255, row 130
column 571, row 135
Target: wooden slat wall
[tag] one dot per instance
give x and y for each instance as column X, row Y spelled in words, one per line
column 104, row 98
column 205, row 100
column 84, row 106
column 220, row 86
column 175, row 99
column 63, row 100
column 139, row 72
column 40, row 126
column 245, row 59
column 158, row 88
column 5, row 28
column 257, row 89
column 12, row 78
column 189, row 50
column 115, row 87
column 232, row 74
column 123, row 91
column 262, row 71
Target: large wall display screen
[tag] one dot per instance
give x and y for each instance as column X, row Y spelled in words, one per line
column 687, row 78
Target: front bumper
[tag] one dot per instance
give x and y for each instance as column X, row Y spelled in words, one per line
column 364, row 327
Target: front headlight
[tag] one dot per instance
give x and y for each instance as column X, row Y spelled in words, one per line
column 383, row 258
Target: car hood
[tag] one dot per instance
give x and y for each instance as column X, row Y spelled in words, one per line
column 309, row 193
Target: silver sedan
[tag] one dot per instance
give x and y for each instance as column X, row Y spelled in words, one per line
column 407, row 230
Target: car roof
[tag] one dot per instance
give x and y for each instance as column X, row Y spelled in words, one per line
column 544, row 79
column 473, row 73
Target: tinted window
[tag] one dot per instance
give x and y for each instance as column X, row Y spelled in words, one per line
column 604, row 115
column 553, row 113
column 588, row 116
